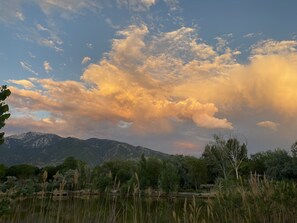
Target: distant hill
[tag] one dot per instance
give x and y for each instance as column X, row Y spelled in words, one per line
column 42, row 149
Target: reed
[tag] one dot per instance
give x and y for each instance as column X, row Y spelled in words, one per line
column 253, row 200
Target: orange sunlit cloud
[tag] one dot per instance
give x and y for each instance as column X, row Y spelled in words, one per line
column 144, row 81
column 268, row 124
column 185, row 145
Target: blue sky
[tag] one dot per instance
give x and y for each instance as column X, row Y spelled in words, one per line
column 165, row 74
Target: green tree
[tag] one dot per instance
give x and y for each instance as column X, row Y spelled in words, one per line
column 169, row 178
column 4, row 108
column 236, row 153
column 3, row 170
column 196, row 171
column 257, row 163
column 294, row 149
column 226, row 156
column 216, row 157
column 279, row 165
column 23, row 171
column 149, row 172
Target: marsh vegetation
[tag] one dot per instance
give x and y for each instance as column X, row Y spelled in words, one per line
column 224, row 185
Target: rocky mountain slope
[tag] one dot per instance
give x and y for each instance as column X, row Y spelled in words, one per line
column 42, row 149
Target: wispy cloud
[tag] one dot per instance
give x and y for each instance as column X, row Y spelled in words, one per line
column 42, row 36
column 136, row 5
column 51, row 44
column 40, row 27
column 85, row 60
column 68, row 8
column 31, row 55
column 110, row 23
column 24, row 83
column 20, row 16
column 173, row 4
column 185, row 145
column 47, row 67
column 28, row 67
column 89, row 45
column 268, row 124
column 11, row 11
column 252, row 35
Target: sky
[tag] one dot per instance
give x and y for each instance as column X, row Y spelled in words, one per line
column 164, row 74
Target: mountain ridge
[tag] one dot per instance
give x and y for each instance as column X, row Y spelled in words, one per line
column 42, row 149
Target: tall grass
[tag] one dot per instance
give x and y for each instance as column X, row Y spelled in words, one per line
column 250, row 201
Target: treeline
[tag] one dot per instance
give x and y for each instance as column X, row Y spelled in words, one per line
column 221, row 160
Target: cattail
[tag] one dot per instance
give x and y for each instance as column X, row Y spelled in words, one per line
column 44, row 176
column 75, row 177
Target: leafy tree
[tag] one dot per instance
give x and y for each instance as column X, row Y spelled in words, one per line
column 236, row 153
column 197, row 171
column 51, row 171
column 119, row 172
column 4, row 114
column 149, row 172
column 294, row 149
column 169, row 179
column 279, row 165
column 101, row 178
column 70, row 163
column 216, row 156
column 3, row 170
column 257, row 163
column 226, row 156
column 23, row 171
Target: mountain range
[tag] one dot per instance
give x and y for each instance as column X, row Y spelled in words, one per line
column 41, row 149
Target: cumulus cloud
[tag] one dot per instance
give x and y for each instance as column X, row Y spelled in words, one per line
column 268, row 124
column 155, row 82
column 47, row 67
column 267, row 82
column 133, row 85
column 85, row 60
column 269, row 47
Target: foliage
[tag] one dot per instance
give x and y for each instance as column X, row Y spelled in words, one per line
column 23, row 171
column 225, row 157
column 196, row 171
column 3, row 170
column 149, row 170
column 216, row 157
column 169, row 179
column 4, row 108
